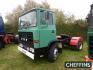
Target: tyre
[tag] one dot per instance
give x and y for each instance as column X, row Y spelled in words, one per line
column 79, row 46
column 2, row 44
column 53, row 52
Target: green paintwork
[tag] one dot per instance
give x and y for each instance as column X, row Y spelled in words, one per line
column 90, row 32
column 44, row 33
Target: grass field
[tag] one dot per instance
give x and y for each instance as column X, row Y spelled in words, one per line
column 12, row 59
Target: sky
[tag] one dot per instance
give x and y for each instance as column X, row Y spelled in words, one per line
column 79, row 8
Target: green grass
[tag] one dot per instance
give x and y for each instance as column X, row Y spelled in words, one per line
column 12, row 59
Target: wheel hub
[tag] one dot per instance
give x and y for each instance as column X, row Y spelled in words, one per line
column 55, row 53
column 80, row 47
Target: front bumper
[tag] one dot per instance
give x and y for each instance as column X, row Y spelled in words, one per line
column 29, row 54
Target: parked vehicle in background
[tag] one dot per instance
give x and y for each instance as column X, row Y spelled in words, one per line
column 5, row 38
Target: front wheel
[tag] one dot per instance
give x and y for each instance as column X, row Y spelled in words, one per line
column 53, row 52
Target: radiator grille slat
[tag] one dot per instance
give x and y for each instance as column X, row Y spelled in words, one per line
column 26, row 38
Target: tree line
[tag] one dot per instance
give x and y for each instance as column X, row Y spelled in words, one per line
column 66, row 24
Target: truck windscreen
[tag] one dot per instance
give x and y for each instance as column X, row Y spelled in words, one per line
column 27, row 20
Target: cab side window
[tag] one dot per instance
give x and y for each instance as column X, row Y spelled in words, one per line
column 42, row 18
column 46, row 18
column 50, row 20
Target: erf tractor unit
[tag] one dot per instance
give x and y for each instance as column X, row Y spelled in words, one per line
column 37, row 35
column 5, row 38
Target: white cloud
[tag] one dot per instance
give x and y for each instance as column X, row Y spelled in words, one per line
column 79, row 8
column 7, row 6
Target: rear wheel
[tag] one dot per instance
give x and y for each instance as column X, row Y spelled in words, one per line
column 79, row 46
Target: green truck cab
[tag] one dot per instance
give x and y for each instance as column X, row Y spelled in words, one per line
column 37, row 35
column 37, row 31
column 40, row 24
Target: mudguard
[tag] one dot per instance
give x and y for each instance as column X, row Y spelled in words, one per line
column 74, row 41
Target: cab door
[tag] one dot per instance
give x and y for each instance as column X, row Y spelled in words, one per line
column 47, row 31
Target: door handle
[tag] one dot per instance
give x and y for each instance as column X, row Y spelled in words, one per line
column 53, row 31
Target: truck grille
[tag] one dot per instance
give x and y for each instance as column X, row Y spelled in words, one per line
column 26, row 38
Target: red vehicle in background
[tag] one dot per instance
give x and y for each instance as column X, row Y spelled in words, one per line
column 6, row 38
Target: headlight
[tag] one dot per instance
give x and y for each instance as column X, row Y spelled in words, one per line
column 21, row 45
column 26, row 39
column 32, row 50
